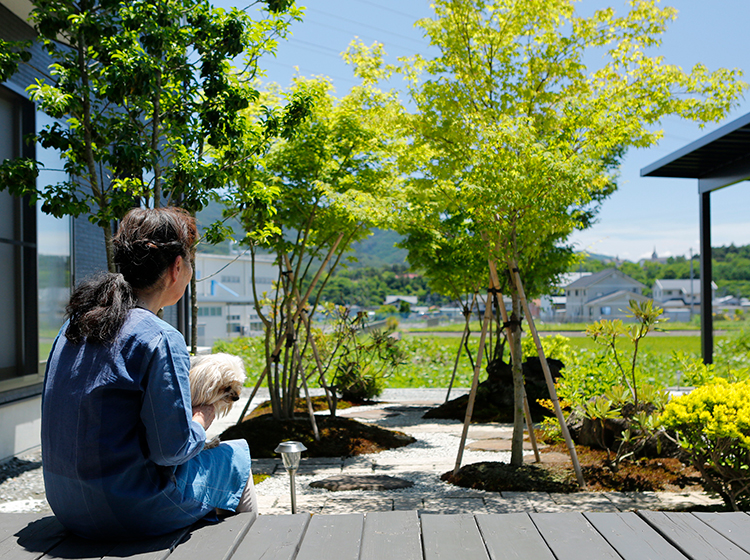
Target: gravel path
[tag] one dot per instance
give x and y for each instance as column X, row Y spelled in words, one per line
column 21, row 484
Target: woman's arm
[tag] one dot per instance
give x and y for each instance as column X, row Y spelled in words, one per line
column 171, row 434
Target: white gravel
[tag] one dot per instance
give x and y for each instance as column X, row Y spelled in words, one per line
column 421, row 462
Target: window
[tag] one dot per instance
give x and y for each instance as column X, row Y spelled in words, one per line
column 19, row 352
column 230, row 279
column 209, row 311
column 53, row 247
column 607, row 310
column 233, row 318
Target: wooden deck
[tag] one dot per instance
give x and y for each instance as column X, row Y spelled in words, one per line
column 641, row 535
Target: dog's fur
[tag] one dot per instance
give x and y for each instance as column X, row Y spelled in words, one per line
column 216, row 379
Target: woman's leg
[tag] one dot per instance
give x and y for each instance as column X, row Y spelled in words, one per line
column 248, row 500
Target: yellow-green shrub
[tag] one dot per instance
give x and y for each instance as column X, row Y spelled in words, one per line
column 713, row 426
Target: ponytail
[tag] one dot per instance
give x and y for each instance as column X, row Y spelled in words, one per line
column 98, row 309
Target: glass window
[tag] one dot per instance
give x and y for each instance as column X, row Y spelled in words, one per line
column 9, row 258
column 19, row 363
column 53, row 249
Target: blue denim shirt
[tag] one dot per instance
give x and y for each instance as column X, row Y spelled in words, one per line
column 121, row 454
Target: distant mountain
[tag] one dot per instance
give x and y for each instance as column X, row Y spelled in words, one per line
column 379, row 250
column 376, row 251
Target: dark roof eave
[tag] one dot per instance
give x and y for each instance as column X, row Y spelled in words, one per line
column 704, row 156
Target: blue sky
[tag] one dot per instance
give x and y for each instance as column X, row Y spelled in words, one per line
column 645, row 213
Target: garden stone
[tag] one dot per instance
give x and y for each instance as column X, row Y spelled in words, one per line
column 367, row 482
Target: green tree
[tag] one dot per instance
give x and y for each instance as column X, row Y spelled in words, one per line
column 515, row 130
column 332, row 182
column 141, row 92
column 12, row 53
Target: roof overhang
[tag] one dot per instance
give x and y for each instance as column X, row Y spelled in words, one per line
column 717, row 160
column 21, row 8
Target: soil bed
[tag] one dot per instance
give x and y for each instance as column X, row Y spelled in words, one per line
column 643, row 475
column 339, row 437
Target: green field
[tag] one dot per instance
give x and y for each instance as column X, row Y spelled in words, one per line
column 719, row 325
column 430, row 358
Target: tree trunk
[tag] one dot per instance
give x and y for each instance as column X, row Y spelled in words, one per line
column 109, row 248
column 516, row 450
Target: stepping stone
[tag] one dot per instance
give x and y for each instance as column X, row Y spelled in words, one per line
column 497, row 444
column 368, row 482
column 374, row 414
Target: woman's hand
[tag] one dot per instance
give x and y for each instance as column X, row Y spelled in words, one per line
column 204, row 415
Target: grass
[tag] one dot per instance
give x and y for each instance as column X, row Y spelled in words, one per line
column 430, row 358
column 476, row 327
column 661, row 345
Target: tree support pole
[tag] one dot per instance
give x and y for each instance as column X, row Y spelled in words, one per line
column 515, row 275
column 467, row 317
column 509, row 334
column 474, row 382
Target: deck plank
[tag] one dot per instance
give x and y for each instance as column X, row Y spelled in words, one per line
column 632, row 537
column 332, row 537
column 734, row 525
column 509, row 536
column 273, row 537
column 29, row 535
column 571, row 537
column 447, row 537
column 391, row 534
column 690, row 535
column 157, row 548
column 216, row 541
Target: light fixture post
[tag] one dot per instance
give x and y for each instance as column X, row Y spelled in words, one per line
column 291, row 453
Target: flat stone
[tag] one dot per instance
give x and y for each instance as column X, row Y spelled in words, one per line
column 374, row 414
column 551, row 457
column 368, row 482
column 497, row 444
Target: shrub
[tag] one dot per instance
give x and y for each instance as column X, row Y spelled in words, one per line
column 713, row 426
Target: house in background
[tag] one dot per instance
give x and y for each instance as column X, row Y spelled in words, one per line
column 552, row 307
column 686, row 291
column 224, row 290
column 397, row 300
column 680, row 299
column 603, row 295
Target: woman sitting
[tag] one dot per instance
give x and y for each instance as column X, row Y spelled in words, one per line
column 122, row 448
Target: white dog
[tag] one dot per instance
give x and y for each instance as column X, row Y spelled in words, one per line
column 216, row 379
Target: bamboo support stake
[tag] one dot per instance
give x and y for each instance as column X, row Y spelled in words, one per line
column 526, row 409
column 474, row 383
column 458, row 357
column 547, row 374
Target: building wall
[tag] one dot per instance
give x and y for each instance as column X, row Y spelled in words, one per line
column 21, row 424
column 225, row 296
column 21, row 373
column 576, row 298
